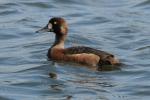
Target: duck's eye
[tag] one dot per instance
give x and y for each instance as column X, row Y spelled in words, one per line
column 55, row 23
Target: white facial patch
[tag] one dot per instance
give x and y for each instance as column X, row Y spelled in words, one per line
column 49, row 26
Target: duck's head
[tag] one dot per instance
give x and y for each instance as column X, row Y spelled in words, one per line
column 57, row 25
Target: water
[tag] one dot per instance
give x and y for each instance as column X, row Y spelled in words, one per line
column 121, row 27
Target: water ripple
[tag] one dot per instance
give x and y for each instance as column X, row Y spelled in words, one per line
column 8, row 12
column 143, row 48
column 120, row 27
column 144, row 3
column 38, row 4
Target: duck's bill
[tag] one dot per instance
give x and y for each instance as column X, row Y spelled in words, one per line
column 44, row 29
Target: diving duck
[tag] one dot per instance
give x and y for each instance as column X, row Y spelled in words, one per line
column 79, row 54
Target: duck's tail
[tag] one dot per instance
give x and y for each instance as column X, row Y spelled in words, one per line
column 109, row 60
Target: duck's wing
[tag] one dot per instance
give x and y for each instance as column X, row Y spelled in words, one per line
column 105, row 58
column 82, row 49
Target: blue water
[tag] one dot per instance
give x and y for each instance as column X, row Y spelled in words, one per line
column 121, row 27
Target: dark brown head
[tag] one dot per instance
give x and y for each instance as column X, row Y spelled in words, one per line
column 57, row 25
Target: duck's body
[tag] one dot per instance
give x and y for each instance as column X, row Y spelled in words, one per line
column 78, row 57
column 80, row 54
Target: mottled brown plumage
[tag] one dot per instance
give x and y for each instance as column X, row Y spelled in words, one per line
column 79, row 54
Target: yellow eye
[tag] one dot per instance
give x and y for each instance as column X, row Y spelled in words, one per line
column 55, row 22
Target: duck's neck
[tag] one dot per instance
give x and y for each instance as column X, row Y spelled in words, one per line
column 59, row 41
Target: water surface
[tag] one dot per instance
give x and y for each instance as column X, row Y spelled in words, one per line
column 121, row 27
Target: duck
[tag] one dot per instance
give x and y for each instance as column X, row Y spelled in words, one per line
column 76, row 54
